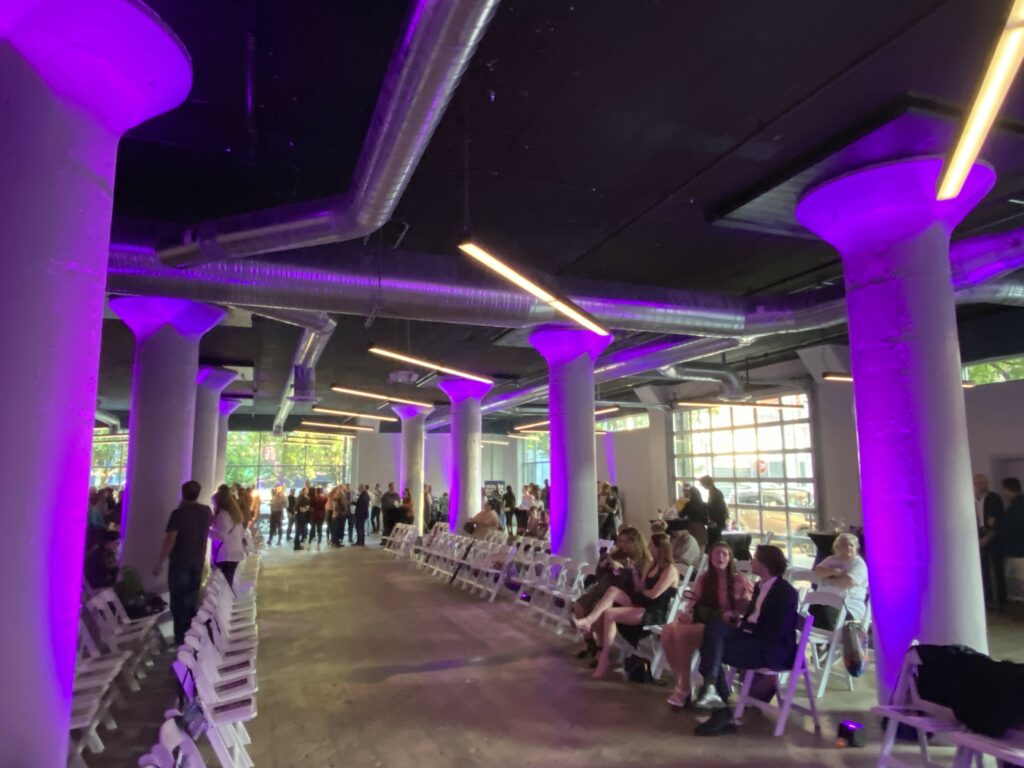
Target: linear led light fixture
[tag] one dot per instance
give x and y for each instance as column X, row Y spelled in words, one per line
column 830, row 376
column 563, row 306
column 376, row 396
column 528, row 427
column 353, row 414
column 494, row 442
column 998, row 78
column 772, row 406
column 322, row 436
column 427, row 364
column 519, row 437
column 328, row 425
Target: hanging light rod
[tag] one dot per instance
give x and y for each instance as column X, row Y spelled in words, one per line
column 427, row 364
column 376, row 396
column 998, row 78
column 328, row 425
column 833, row 376
column 772, row 406
column 519, row 437
column 494, row 442
column 353, row 414
column 563, row 306
column 528, row 427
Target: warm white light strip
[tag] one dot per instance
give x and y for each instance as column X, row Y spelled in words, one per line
column 493, row 442
column 519, row 437
column 527, row 427
column 998, row 78
column 376, row 396
column 428, row 364
column 772, row 406
column 328, row 425
column 846, row 377
column 353, row 414
column 563, row 306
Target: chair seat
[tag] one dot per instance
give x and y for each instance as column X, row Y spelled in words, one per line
column 1009, row 750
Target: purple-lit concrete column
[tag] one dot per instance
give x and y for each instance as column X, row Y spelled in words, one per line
column 570, row 353
column 73, row 78
column 224, row 411
column 915, row 472
column 414, row 435
column 162, row 419
column 465, row 479
column 210, row 382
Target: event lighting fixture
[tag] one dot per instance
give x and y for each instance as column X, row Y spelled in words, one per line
column 375, row 396
column 427, row 364
column 519, row 437
column 830, row 376
column 563, row 306
column 529, row 427
column 328, row 425
column 772, row 406
column 353, row 414
column 1001, row 71
column 322, row 436
column 493, row 442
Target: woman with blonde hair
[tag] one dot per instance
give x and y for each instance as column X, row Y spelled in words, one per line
column 227, row 533
column 720, row 591
column 618, row 611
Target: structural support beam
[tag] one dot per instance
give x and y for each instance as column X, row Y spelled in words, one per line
column 465, row 481
column 73, row 78
column 570, row 354
column 164, row 373
column 414, row 433
column 210, row 382
column 225, row 408
column 915, row 471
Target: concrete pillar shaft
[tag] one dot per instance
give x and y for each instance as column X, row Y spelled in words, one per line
column 224, row 411
column 210, row 382
column 465, row 479
column 162, row 420
column 414, row 434
column 911, row 426
column 570, row 354
column 69, row 87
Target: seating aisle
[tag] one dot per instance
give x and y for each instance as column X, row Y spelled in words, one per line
column 365, row 661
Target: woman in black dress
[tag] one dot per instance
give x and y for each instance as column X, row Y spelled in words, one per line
column 648, row 606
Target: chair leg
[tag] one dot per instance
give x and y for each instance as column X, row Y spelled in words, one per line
column 741, row 700
column 787, row 703
column 826, row 672
column 656, row 662
column 810, row 698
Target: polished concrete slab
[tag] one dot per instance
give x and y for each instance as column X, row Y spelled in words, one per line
column 366, row 661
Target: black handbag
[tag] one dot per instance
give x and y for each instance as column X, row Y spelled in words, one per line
column 638, row 669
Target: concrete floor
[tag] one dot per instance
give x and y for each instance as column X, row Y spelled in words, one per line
column 365, row 661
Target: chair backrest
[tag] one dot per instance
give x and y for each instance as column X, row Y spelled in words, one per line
column 906, row 694
column 744, row 566
column 677, row 601
column 830, row 599
column 702, row 567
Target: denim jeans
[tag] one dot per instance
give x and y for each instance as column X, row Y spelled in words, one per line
column 183, row 584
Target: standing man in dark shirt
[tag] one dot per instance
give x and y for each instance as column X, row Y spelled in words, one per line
column 389, row 503
column 184, row 548
column 1009, row 534
column 362, row 513
column 508, row 504
column 718, row 511
column 989, row 508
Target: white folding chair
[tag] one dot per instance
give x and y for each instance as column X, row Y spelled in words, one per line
column 787, row 682
column 826, row 645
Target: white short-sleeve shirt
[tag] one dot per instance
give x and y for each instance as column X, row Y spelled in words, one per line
column 856, row 596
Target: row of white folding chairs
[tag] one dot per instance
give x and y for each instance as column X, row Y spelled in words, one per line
column 216, row 670
column 114, row 652
column 478, row 565
column 395, row 541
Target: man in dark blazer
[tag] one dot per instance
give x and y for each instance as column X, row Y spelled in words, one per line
column 764, row 637
column 990, row 513
column 362, row 513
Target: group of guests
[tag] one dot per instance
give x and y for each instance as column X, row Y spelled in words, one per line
column 726, row 617
column 1001, row 536
column 528, row 517
column 343, row 512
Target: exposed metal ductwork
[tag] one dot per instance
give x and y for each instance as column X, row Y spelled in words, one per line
column 447, row 289
column 428, row 63
column 732, row 386
column 317, row 329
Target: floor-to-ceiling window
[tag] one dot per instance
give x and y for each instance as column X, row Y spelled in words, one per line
column 109, row 457
column 760, row 456
column 536, row 462
column 263, row 460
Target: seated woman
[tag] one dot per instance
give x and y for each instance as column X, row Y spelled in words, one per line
column 686, row 550
column 621, row 568
column 619, row 611
column 720, row 591
column 485, row 521
column 846, row 574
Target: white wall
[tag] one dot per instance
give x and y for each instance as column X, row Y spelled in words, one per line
column 638, row 462
column 995, row 425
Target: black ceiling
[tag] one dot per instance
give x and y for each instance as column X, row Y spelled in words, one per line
column 603, row 137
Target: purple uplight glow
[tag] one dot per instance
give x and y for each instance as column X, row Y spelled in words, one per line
column 915, row 473
column 570, row 354
column 145, row 315
column 465, row 478
column 73, row 77
column 459, row 390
